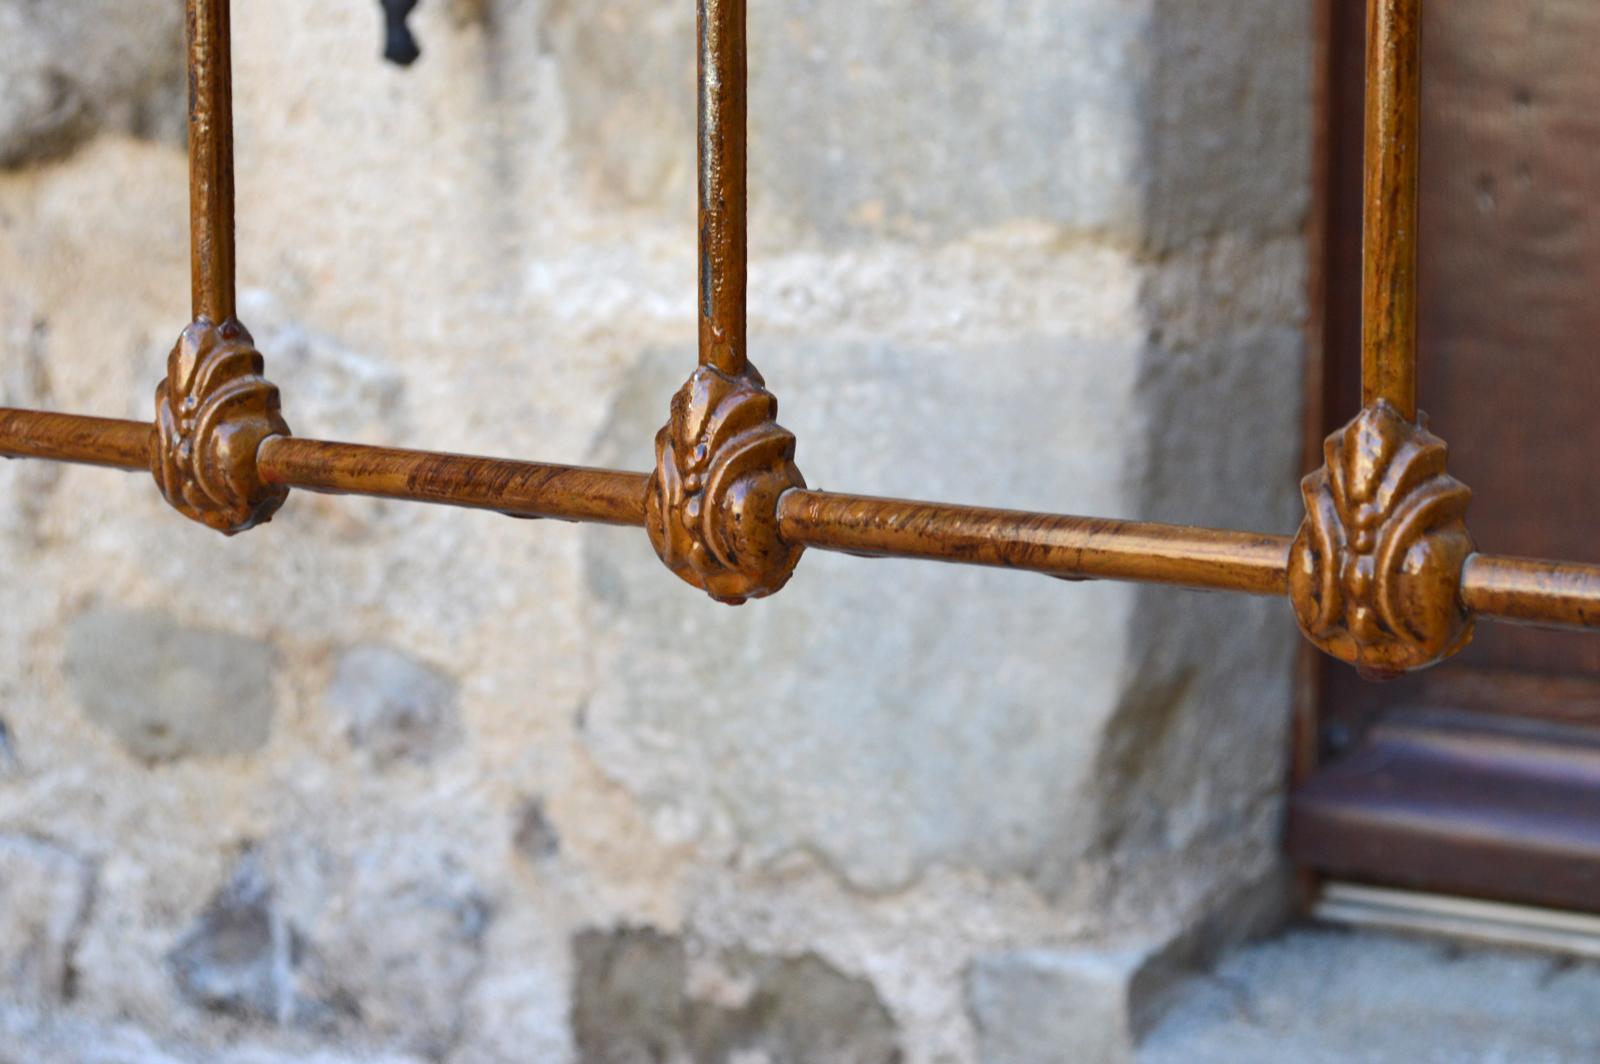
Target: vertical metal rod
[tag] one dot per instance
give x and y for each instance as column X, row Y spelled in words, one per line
column 1389, row 277
column 723, row 245
column 211, row 159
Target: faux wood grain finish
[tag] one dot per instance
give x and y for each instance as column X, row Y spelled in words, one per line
column 214, row 407
column 1494, row 793
column 1375, row 571
column 723, row 460
column 96, row 441
column 211, row 196
column 1074, row 548
column 1393, row 147
column 1382, row 573
column 723, row 136
column 213, row 410
column 517, row 489
column 1520, row 590
column 1510, row 587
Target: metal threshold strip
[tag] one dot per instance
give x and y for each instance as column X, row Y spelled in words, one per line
column 1486, row 923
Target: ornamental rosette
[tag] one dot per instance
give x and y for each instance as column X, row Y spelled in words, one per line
column 1375, row 571
column 722, row 462
column 212, row 412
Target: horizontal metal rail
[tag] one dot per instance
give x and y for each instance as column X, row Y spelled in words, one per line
column 1519, row 590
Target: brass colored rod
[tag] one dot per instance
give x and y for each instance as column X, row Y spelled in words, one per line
column 98, row 441
column 1521, row 590
column 520, row 489
column 723, row 240
column 211, row 242
column 1072, row 547
column 1531, row 591
column 1389, row 221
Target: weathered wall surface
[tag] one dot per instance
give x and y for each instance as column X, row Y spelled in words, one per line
column 438, row 785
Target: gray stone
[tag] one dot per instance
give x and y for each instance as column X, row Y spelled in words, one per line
column 340, row 393
column 800, row 1010
column 67, row 70
column 1039, row 254
column 534, row 837
column 340, row 1055
column 301, row 939
column 1101, row 999
column 168, row 691
column 628, row 72
column 1319, row 996
column 392, row 706
column 240, row 956
column 1027, row 1006
column 45, row 894
column 30, row 1036
column 628, row 996
column 932, row 121
column 10, row 763
column 1025, row 724
column 959, row 747
column 632, row 1004
column 25, row 382
column 402, row 955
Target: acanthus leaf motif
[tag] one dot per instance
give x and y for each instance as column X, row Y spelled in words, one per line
column 722, row 463
column 1375, row 571
column 212, row 412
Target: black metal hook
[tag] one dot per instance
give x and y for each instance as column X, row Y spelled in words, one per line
column 399, row 47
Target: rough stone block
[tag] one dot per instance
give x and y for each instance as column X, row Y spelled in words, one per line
column 1026, row 738
column 1047, row 1006
column 30, row 1036
column 45, row 891
column 1326, row 996
column 69, row 69
column 534, row 837
column 959, row 749
column 337, row 392
column 10, row 762
column 1041, row 254
column 365, row 948
column 168, row 691
column 392, row 706
column 240, row 956
column 634, row 1002
column 1146, row 121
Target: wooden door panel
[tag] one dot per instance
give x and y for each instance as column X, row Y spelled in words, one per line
column 1509, row 285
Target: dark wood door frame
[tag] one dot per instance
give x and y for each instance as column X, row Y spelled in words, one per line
column 1480, row 777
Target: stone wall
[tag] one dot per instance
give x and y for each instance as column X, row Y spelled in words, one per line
column 396, row 783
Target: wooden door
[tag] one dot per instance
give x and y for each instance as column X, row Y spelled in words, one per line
column 1481, row 776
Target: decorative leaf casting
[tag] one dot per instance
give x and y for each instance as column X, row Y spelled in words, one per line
column 722, row 462
column 212, row 412
column 1375, row 571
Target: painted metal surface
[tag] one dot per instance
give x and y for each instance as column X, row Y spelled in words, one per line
column 1382, row 573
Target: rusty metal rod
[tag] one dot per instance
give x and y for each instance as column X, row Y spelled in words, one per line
column 1520, row 590
column 211, row 210
column 722, row 135
column 1389, row 212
